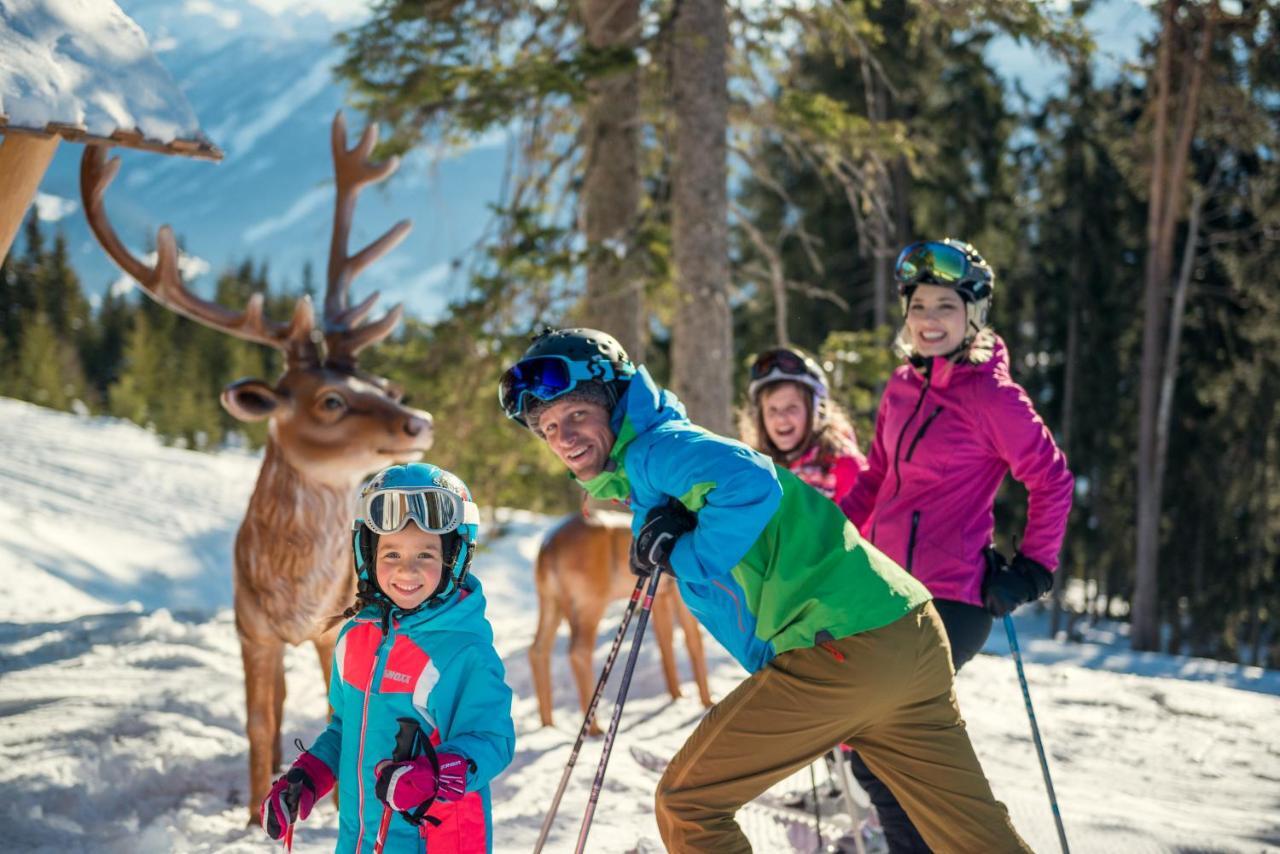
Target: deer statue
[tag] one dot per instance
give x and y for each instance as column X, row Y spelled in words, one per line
column 329, row 425
column 581, row 567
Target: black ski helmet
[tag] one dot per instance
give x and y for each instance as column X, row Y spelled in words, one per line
column 598, row 352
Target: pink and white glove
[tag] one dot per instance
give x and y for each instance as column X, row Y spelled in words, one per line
column 293, row 795
column 404, row 786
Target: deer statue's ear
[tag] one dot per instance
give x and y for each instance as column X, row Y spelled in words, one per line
column 251, row 400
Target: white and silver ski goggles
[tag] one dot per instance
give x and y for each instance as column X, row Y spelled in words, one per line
column 436, row 511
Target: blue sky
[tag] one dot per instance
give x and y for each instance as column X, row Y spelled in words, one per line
column 269, row 108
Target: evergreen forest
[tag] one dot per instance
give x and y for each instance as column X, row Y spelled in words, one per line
column 704, row 203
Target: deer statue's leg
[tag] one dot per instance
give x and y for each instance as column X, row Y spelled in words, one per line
column 583, row 625
column 662, row 629
column 263, row 659
column 549, row 616
column 278, row 701
column 693, row 642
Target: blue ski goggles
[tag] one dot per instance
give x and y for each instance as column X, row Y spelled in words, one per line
column 931, row 263
column 548, row 377
column 436, row 511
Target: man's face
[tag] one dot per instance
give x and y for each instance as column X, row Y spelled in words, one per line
column 578, row 432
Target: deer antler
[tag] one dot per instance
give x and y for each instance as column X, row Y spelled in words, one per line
column 345, row 333
column 164, row 281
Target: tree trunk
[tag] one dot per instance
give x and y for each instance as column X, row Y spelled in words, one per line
column 1169, row 163
column 1169, row 373
column 878, row 193
column 1068, row 412
column 611, row 186
column 702, row 334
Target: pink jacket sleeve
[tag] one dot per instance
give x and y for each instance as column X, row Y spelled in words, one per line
column 846, row 471
column 1024, row 442
column 858, row 502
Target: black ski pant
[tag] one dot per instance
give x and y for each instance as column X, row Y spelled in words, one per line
column 967, row 629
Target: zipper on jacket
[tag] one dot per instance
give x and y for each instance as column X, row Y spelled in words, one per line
column 911, row 541
column 911, row 449
column 897, row 450
column 379, row 660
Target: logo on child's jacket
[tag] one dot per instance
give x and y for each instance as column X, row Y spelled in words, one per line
column 397, row 677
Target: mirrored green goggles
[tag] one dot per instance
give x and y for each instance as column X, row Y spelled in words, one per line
column 931, row 263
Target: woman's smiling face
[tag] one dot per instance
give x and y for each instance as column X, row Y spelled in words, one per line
column 936, row 320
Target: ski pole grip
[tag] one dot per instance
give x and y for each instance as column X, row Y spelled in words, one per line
column 405, row 739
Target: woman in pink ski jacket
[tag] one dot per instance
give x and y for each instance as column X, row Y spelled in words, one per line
column 952, row 423
column 792, row 418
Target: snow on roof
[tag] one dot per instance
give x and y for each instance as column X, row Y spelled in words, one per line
column 84, row 70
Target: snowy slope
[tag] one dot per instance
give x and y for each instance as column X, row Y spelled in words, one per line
column 121, row 704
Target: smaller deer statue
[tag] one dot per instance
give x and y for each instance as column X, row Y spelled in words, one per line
column 330, row 425
column 583, row 565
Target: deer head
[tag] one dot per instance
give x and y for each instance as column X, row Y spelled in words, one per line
column 331, row 421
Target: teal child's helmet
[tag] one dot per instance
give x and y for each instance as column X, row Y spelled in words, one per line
column 437, row 501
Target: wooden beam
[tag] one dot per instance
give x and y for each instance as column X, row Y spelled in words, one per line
column 198, row 147
column 23, row 161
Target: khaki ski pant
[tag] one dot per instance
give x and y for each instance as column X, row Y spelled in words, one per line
column 888, row 693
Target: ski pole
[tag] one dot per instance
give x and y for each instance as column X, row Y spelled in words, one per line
column 847, row 784
column 405, row 748
column 645, row 608
column 590, row 716
column 817, row 811
column 1035, row 730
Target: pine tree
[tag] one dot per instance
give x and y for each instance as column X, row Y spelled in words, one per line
column 105, row 350
column 133, row 393
column 47, row 368
column 60, row 295
column 21, row 282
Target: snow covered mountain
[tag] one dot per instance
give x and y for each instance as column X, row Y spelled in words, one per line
column 258, row 74
column 122, row 712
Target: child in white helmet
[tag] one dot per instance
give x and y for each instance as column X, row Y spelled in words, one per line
column 792, row 418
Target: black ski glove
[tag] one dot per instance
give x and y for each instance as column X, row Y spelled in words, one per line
column 652, row 547
column 1008, row 585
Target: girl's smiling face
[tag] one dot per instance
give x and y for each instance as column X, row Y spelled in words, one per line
column 936, row 320
column 784, row 410
column 409, row 565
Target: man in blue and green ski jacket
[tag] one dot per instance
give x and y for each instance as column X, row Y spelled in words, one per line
column 842, row 645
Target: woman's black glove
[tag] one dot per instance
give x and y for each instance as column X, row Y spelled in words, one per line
column 1008, row 585
column 651, row 548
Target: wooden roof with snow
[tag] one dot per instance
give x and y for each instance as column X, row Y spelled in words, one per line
column 82, row 70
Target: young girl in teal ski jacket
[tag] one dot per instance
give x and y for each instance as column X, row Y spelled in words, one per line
column 434, row 667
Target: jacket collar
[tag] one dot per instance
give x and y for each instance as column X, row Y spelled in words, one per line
column 986, row 355
column 643, row 407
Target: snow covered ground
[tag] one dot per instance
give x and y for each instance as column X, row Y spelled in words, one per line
column 121, row 699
